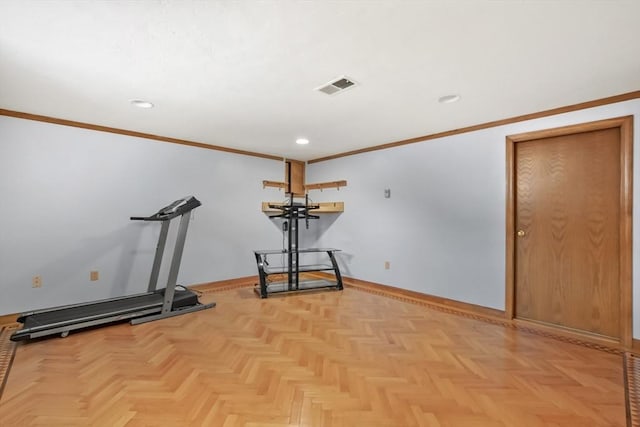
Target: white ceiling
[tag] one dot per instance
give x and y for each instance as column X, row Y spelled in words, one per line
column 241, row 74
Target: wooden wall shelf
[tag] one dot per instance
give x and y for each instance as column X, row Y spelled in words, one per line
column 325, row 207
column 317, row 186
column 275, row 184
column 322, row 185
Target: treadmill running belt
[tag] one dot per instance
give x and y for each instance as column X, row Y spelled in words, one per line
column 95, row 311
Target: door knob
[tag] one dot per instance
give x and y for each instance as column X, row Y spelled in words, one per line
column 520, row 233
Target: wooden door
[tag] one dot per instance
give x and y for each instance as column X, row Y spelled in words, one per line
column 571, row 240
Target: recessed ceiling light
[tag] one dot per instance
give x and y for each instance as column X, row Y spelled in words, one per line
column 302, row 141
column 141, row 104
column 448, row 99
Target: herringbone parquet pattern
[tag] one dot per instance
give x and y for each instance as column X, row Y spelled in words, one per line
column 346, row 358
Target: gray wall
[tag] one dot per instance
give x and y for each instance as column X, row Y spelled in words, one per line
column 443, row 229
column 67, row 195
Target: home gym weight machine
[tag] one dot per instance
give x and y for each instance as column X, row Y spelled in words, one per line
column 155, row 304
column 291, row 212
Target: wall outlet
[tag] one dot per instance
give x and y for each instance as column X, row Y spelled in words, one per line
column 94, row 275
column 387, row 265
column 36, row 282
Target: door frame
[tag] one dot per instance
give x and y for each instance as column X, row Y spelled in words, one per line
column 625, row 124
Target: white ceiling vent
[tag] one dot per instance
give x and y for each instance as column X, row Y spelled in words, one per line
column 337, row 85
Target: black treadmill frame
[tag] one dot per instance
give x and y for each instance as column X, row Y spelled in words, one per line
column 140, row 308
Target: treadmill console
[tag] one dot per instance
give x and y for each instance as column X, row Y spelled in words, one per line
column 176, row 208
column 173, row 207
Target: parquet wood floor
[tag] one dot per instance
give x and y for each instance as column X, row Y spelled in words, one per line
column 347, row 358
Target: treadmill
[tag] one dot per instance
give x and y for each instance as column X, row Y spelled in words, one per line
column 140, row 308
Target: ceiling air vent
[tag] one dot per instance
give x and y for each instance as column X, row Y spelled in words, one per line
column 337, row 85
